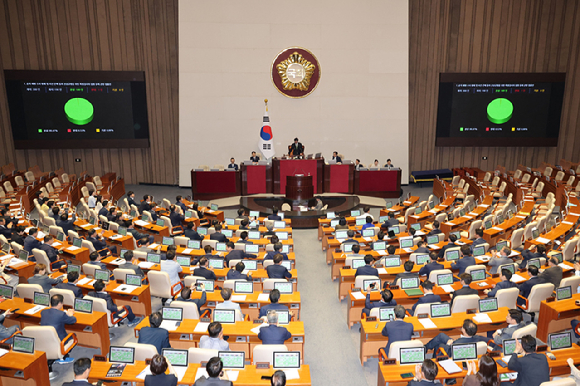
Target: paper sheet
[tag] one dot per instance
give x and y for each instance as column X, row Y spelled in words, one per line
column 232, row 375
column 180, row 372
column 567, row 223
column 126, row 288
column 153, row 246
column 367, row 238
column 482, row 318
column 256, row 330
column 419, row 233
column 382, row 271
column 358, row 295
column 238, row 298
column 517, row 278
column 506, row 359
column 427, row 323
column 2, row 258
column 72, row 248
column 144, row 373
column 434, row 211
column 34, row 310
column 563, row 266
column 382, row 253
column 146, row 264
column 450, row 367
column 114, row 237
column 3, row 352
column 543, row 240
column 263, row 297
column 141, row 223
column 483, row 205
column 118, row 262
column 497, row 229
column 84, row 281
column 187, row 251
column 56, row 244
column 449, row 223
column 447, row 288
column 291, row 374
column 41, row 234
column 514, row 253
column 408, row 250
column 201, row 327
column 434, row 247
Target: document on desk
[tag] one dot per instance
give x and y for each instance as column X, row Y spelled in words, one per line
column 543, row 240
column 434, row 211
column 483, row 205
column 341, row 240
column 447, row 288
column 450, row 367
column 497, row 229
column 232, row 375
column 517, row 278
column 358, row 295
column 84, row 281
column 126, row 288
column 3, row 352
column 449, row 223
column 72, row 248
column 115, row 237
column 419, row 233
column 408, row 250
column 55, row 245
column 382, row 253
column 118, row 261
column 238, row 298
column 141, row 223
column 85, row 226
column 144, row 373
column 263, row 297
column 291, row 374
column 187, row 251
column 201, row 327
column 154, row 246
column 427, row 323
column 564, row 266
column 14, row 262
column 256, row 330
column 35, row 309
column 368, row 239
column 201, row 372
column 146, row 264
column 382, row 271
column 2, row 258
column 434, row 247
column 41, row 234
column 482, row 318
column 180, row 372
column 567, row 223
column 514, row 253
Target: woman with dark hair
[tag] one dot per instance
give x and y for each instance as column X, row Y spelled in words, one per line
column 342, row 224
column 487, row 374
column 158, row 377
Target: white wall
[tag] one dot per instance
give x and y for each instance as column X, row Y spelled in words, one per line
column 360, row 107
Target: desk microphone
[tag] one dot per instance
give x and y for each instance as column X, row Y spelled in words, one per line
column 303, row 172
column 294, row 172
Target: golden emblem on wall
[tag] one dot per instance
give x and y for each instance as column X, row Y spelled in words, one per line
column 295, row 72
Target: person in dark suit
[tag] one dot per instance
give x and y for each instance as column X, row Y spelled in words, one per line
column 389, row 165
column 235, row 254
column 18, row 235
column 131, row 199
column 40, row 277
column 55, row 213
column 274, row 304
column 532, row 368
column 175, row 216
column 526, row 286
column 191, row 233
column 95, row 259
column 428, row 296
column 180, row 204
column 273, row 334
column 277, row 251
column 450, row 244
column 478, row 238
column 99, row 292
column 533, row 252
column 443, row 341
column 66, row 224
column 50, row 251
column 57, row 318
column 296, row 149
column 72, row 279
column 357, row 165
column 408, row 266
column 216, row 376
column 274, row 216
column 111, row 214
column 505, row 276
column 104, row 211
column 465, row 261
column 277, row 270
column 7, row 332
column 254, row 158
column 130, row 263
column 336, row 157
column 435, row 230
column 30, row 242
column 425, row 374
column 514, row 320
column 82, row 369
column 147, row 205
column 136, row 234
column 553, row 274
column 386, row 300
column 350, row 239
column 236, row 273
column 208, row 255
column 158, row 337
column 99, row 243
column 421, row 248
column 398, row 329
column 465, row 280
column 4, row 231
column 368, row 268
column 432, row 266
column 221, row 238
column 391, row 221
column 159, row 365
column 242, row 215
column 203, row 271
column 244, row 238
column 185, row 296
column 233, row 164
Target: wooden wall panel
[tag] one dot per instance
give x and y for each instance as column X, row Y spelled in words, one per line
column 490, row 36
column 121, row 35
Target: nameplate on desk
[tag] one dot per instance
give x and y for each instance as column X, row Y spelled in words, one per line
column 185, row 337
column 390, row 361
column 297, row 339
column 253, row 305
column 295, row 305
column 205, row 320
column 262, row 365
column 442, row 358
column 99, row 358
column 471, row 311
column 346, row 267
column 495, row 275
column 394, row 287
column 88, row 329
column 371, row 318
column 355, row 290
column 379, row 265
column 422, row 316
column 542, row 348
column 211, row 304
column 258, row 321
column 240, row 339
column 550, row 299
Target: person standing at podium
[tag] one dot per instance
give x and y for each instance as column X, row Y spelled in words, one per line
column 296, row 149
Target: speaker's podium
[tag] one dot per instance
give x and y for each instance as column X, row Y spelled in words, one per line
column 299, row 188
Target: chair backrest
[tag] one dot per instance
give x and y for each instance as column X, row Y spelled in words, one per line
column 528, row 229
column 507, row 297
column 539, row 293
column 568, row 250
column 16, row 247
column 240, row 246
column 265, row 352
column 89, row 245
column 26, row 291
column 211, row 243
column 121, row 273
column 100, row 305
column 529, row 329
column 29, row 176
column 517, row 174
column 395, row 349
column 229, row 284
column 474, row 267
column 191, row 279
column 462, row 303
column 455, row 180
column 441, row 217
column 481, row 348
column 359, row 280
column 159, row 284
column 435, row 272
column 571, row 181
column 19, row 181
column 89, row 269
column 461, row 184
column 423, row 308
column 68, row 295
column 548, row 171
column 190, row 310
column 143, row 351
column 268, row 284
column 45, row 339
column 473, row 227
column 181, row 240
column 572, row 281
column 516, row 239
column 267, row 263
column 495, row 181
column 166, row 222
column 198, row 355
column 41, row 258
column 73, row 234
column 286, row 207
column 526, row 178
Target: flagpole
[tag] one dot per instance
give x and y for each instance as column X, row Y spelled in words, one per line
column 266, row 102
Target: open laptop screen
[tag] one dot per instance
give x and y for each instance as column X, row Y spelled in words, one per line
column 412, row 355
column 287, row 360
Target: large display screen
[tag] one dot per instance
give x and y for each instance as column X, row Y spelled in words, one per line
column 77, row 109
column 499, row 109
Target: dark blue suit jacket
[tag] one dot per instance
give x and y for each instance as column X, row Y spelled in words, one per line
column 274, row 217
column 446, row 247
column 432, row 266
column 463, row 291
column 477, row 242
column 396, row 331
column 270, row 255
column 111, row 306
column 273, row 335
column 430, row 298
column 422, row 250
column 235, row 275
column 30, row 243
column 98, row 244
column 237, row 254
column 58, row 319
column 176, row 219
column 219, row 237
column 370, row 305
column 273, row 306
column 526, row 287
column 51, row 253
column 472, row 339
column 367, row 270
column 463, row 263
column 278, row 272
column 527, row 255
column 192, row 234
column 158, row 337
column 161, row 380
column 501, row 285
column 181, row 205
column 198, row 302
column 103, row 212
column 434, row 232
column 67, row 225
column 204, row 272
column 68, row 286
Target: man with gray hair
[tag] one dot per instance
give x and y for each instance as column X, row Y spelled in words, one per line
column 273, row 334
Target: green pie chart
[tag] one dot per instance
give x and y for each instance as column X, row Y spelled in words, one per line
column 500, row 110
column 79, row 111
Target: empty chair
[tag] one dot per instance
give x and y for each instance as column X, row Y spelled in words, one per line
column 560, row 382
column 143, row 351
column 198, row 355
column 560, row 175
column 89, row 269
column 538, row 191
column 572, row 281
column 463, row 303
column 29, row 176
column 19, row 181
column 472, row 228
column 539, row 293
column 268, row 284
column 26, row 291
column 517, row 174
column 181, row 240
column 286, row 207
column 568, row 250
column 507, row 297
column 516, row 239
column 97, row 182
column 265, row 352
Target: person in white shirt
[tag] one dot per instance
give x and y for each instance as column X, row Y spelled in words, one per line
column 172, row 267
column 215, row 340
column 227, row 304
column 366, row 213
column 92, row 201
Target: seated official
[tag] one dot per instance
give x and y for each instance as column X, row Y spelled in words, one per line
column 357, row 165
column 191, row 233
column 66, row 224
column 553, row 274
column 532, row 368
column 99, row 292
column 433, row 265
column 514, row 319
column 136, row 234
column 180, row 204
column 176, row 216
column 376, row 164
column 159, row 365
column 235, row 254
column 215, row 340
column 355, row 252
column 218, row 235
column 425, row 374
column 274, row 304
column 111, row 214
column 244, row 238
column 236, row 273
column 421, row 248
column 233, row 164
column 443, row 341
column 154, row 335
column 277, row 270
column 398, row 329
column 172, row 268
column 428, row 296
column 533, row 252
column 465, row 261
column 342, row 224
column 81, row 369
column 319, row 204
column 368, row 224
column 51, row 252
column 131, row 198
column 227, row 304
column 350, row 237
column 131, row 263
column 526, row 286
column 368, row 268
column 408, row 266
column 30, row 242
column 478, row 238
column 498, row 259
column 18, row 235
column 296, row 149
column 391, row 221
column 7, row 332
column 72, row 279
column 40, row 277
column 242, row 214
column 366, row 213
column 450, row 244
column 273, row 334
column 254, row 158
column 5, row 231
column 505, row 276
column 208, row 255
column 435, row 230
column 57, row 318
column 277, row 251
column 386, row 300
column 95, row 259
column 336, row 157
column 269, row 230
column 278, row 378
column 185, row 296
column 148, row 205
column 465, row 280
column 274, row 216
column 389, row 165
column 216, row 377
column 99, row 243
column 204, row 271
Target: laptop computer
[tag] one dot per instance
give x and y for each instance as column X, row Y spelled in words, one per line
column 279, row 224
column 439, row 310
column 220, row 247
column 560, row 340
column 284, row 287
column 488, row 305
column 243, row 287
column 183, row 261
column 167, row 241
column 478, row 274
column 205, row 285
column 133, row 280
column 215, row 263
column 464, row 351
column 233, row 359
column 416, row 226
column 422, row 259
column 563, row 293
column 285, row 248
column 330, row 215
column 122, row 354
column 250, row 265
column 41, row 299
column 283, row 316
column 122, row 231
column 23, row 255
column 341, row 234
column 253, row 235
column 193, row 244
column 395, row 229
column 379, row 246
column 509, row 267
column 535, row 262
column 361, row 221
column 23, row 344
column 368, row 282
column 224, row 316
column 386, row 314
column 252, row 248
column 73, row 268
column 452, row 255
column 411, row 355
column 77, row 242
column 391, row 261
column 356, row 263
column 154, row 258
column 479, row 251
column 354, row 213
column 286, row 360
column 444, row 279
column 60, row 236
column 230, row 221
column 369, row 232
column 509, row 346
column 433, row 239
column 214, row 206
column 202, row 231
column 286, row 264
column 406, row 242
column 179, row 360
column 83, row 305
column 558, row 256
column 282, row 235
column 500, row 244
column 334, row 223
column 172, row 317
column 254, row 213
column 228, row 233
